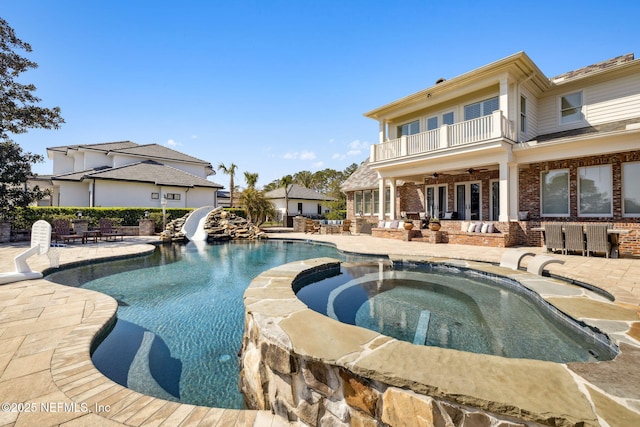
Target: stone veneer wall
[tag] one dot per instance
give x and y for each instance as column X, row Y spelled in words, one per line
column 309, row 368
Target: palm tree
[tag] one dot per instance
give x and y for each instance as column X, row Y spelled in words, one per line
column 285, row 182
column 258, row 207
column 306, row 179
column 231, row 171
column 251, row 178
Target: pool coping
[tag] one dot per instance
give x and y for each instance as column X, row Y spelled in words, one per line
column 554, row 393
column 45, row 352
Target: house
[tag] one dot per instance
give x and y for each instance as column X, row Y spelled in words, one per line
column 128, row 174
column 506, row 144
column 299, row 201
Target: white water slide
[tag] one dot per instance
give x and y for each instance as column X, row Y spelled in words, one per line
column 193, row 227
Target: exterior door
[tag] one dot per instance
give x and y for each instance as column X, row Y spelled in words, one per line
column 436, row 196
column 468, row 200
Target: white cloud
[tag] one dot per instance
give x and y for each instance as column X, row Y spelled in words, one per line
column 354, row 152
column 194, row 136
column 305, row 155
column 318, row 164
column 338, row 156
column 358, row 145
column 172, row 143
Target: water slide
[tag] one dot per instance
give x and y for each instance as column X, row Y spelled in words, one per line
column 193, row 227
column 40, row 243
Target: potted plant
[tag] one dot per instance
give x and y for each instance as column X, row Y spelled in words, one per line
column 408, row 224
column 434, row 224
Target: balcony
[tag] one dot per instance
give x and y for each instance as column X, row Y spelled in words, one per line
column 493, row 126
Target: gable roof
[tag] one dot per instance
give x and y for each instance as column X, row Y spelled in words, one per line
column 148, row 151
column 362, row 178
column 147, row 171
column 297, row 192
column 593, row 68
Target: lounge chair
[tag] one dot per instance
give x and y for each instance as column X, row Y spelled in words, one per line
column 553, row 238
column 598, row 239
column 574, row 238
column 107, row 231
column 62, row 228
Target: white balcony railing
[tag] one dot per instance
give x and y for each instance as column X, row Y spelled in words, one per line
column 481, row 129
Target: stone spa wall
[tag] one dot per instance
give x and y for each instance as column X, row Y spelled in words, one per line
column 315, row 370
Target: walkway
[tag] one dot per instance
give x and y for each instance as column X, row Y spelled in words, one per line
column 46, row 331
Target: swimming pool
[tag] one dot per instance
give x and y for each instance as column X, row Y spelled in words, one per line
column 181, row 316
column 454, row 308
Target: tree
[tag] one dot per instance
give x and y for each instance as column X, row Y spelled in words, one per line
column 18, row 114
column 257, row 206
column 285, row 182
column 251, row 178
column 305, row 179
column 231, row 171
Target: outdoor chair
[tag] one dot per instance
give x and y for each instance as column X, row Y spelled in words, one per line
column 574, row 238
column 598, row 239
column 553, row 238
column 62, row 229
column 107, row 231
column 346, row 226
column 309, row 226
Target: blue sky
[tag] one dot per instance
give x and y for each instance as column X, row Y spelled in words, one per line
column 280, row 86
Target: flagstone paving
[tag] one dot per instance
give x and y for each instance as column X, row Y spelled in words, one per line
column 46, row 330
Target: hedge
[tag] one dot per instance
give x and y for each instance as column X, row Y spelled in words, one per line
column 25, row 217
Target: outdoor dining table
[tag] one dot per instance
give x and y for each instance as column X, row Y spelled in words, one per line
column 614, row 239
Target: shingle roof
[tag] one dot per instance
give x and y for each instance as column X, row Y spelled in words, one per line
column 581, row 72
column 361, row 179
column 297, row 192
column 601, row 128
column 156, row 151
column 149, row 151
column 146, row 171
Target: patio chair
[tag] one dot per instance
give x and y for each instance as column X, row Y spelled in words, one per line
column 62, row 229
column 553, row 238
column 309, row 226
column 598, row 239
column 346, row 226
column 107, row 231
column 574, row 238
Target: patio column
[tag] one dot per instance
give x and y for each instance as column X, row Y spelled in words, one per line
column 381, row 199
column 382, row 133
column 504, row 192
column 514, row 190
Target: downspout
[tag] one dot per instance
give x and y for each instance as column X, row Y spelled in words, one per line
column 92, row 202
column 186, row 193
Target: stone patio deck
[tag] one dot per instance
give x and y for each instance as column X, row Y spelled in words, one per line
column 46, row 331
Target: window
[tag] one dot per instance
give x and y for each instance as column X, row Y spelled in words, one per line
column 376, row 201
column 319, row 209
column 367, row 202
column 571, row 108
column 358, row 202
column 172, row 196
column 523, row 114
column 409, row 128
column 436, row 197
column 482, row 108
column 631, row 189
column 594, row 191
column 555, row 193
column 299, row 208
column 447, row 119
column 155, row 195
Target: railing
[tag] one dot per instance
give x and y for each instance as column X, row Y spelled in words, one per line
column 495, row 125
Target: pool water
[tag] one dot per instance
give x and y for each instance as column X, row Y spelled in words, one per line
column 455, row 309
column 181, row 315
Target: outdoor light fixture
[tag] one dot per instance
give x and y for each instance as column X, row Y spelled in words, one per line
column 435, row 174
column 79, row 214
column 146, row 214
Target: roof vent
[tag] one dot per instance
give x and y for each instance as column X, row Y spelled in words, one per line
column 440, row 80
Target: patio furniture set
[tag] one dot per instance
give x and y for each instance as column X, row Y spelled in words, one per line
column 62, row 232
column 585, row 239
